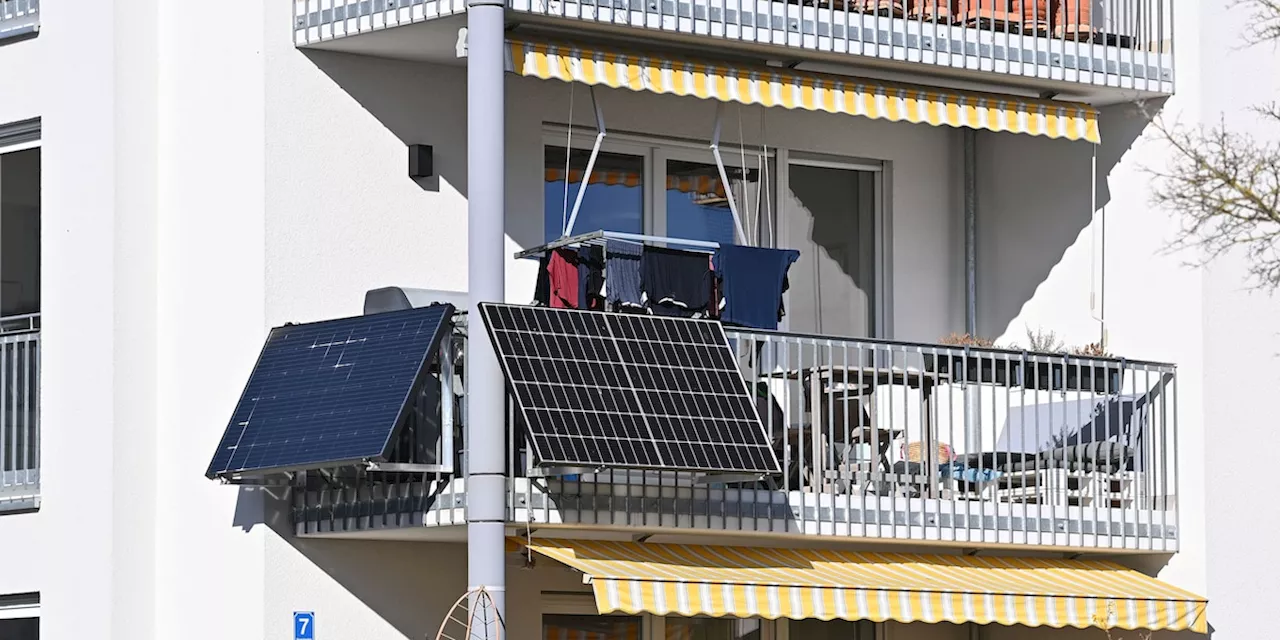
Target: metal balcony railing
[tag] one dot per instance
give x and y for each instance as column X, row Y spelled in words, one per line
column 19, row 18
column 19, row 412
column 918, row 443
column 877, row 440
column 1123, row 44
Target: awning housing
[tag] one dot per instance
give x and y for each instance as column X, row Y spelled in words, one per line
column 744, row 582
column 792, row 89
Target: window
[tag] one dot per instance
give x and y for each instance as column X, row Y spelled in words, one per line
column 19, row 322
column 614, row 201
column 590, row 627
column 20, row 617
column 19, row 232
column 832, row 630
column 655, row 187
column 829, row 213
column 714, row 629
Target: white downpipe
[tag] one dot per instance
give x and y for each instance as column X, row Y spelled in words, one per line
column 1098, row 261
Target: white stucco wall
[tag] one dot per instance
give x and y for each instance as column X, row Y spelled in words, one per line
column 1241, row 372
column 26, row 77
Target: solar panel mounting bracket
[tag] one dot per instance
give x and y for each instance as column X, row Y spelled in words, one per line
column 257, row 481
column 551, row 472
column 713, row 478
column 405, row 467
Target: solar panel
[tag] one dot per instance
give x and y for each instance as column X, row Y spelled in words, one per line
column 330, row 393
column 615, row 390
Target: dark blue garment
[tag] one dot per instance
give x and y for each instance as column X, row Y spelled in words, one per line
column 590, row 277
column 622, row 273
column 676, row 283
column 752, row 281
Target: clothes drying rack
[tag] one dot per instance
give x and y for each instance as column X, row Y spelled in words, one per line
column 602, row 238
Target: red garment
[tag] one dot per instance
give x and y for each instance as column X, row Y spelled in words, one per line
column 562, row 270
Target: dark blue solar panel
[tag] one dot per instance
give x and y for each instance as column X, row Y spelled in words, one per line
column 330, row 392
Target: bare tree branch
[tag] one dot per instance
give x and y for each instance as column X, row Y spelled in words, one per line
column 1226, row 185
column 1264, row 24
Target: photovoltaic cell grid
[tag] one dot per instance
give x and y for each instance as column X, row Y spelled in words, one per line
column 615, row 390
column 329, row 392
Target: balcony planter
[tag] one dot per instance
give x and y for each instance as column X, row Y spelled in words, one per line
column 1073, row 19
column 977, row 367
column 879, row 7
column 1034, row 14
column 1088, row 377
column 940, row 11
column 987, row 14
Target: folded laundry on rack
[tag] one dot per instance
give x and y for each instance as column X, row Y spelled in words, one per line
column 752, row 281
column 675, row 282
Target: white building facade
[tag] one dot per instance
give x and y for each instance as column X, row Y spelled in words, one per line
column 178, row 178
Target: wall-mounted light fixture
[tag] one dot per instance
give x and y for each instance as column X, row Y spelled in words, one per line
column 420, row 164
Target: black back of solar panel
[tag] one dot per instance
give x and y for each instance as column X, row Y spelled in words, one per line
column 330, row 393
column 615, row 390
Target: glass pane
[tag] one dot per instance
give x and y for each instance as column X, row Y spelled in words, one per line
column 832, row 630
column 614, row 199
column 713, row 629
column 829, row 215
column 20, row 629
column 20, row 232
column 567, row 627
column 697, row 202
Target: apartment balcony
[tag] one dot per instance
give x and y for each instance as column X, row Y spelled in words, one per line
column 1097, row 51
column 19, row 413
column 879, row 442
column 19, row 18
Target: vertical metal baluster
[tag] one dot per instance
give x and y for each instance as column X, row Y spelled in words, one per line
column 1173, row 47
column 1164, row 492
column 959, row 508
column 1145, row 474
column 802, row 448
column 1026, row 376
column 28, row 426
column 8, row 455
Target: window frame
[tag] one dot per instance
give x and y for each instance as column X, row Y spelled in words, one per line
column 19, row 136
column 656, row 151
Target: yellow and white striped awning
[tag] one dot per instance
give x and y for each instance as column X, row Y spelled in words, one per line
column 745, row 582
column 810, row 91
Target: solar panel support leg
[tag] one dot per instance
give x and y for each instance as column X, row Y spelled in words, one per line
column 724, row 175
column 591, row 163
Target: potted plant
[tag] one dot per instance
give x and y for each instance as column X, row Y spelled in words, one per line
column 1034, row 15
column 976, row 364
column 940, row 11
column 1073, row 19
column 1092, row 370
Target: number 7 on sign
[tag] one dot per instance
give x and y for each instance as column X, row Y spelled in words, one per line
column 304, row 625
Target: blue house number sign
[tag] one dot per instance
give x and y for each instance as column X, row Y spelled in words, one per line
column 304, row 625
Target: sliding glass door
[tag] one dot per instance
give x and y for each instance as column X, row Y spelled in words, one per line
column 830, row 216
